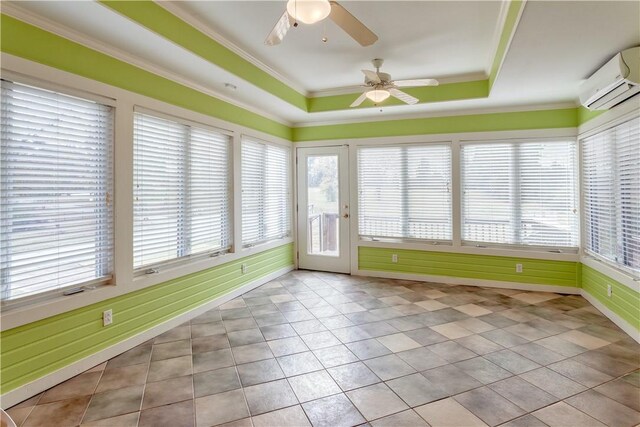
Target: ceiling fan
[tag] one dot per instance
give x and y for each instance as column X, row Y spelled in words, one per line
column 379, row 86
column 312, row 11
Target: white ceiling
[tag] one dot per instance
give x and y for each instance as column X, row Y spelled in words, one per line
column 556, row 45
column 416, row 39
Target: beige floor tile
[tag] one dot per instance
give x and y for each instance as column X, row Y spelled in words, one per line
column 535, row 297
column 584, row 340
column 376, row 401
column 431, row 305
column 398, row 342
column 448, row 413
column 452, row 330
column 434, row 293
column 473, row 310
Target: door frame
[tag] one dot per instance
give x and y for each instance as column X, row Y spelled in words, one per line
column 342, row 263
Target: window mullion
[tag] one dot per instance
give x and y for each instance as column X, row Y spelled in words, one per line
column 184, row 239
column 516, row 194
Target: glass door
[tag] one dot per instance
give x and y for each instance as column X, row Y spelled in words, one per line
column 323, row 209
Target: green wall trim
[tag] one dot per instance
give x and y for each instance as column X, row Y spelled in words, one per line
column 159, row 20
column 535, row 271
column 541, row 119
column 441, row 93
column 34, row 350
column 27, row 41
column 509, row 28
column 624, row 301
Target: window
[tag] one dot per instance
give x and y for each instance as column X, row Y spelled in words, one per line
column 56, row 195
column 519, row 193
column 404, row 192
column 266, row 209
column 611, row 191
column 181, row 190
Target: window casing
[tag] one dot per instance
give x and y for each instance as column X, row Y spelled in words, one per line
column 520, row 194
column 611, row 195
column 56, row 198
column 181, row 191
column 404, row 192
column 266, row 192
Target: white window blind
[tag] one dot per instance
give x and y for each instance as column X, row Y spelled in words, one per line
column 520, row 193
column 611, row 190
column 56, row 214
column 266, row 197
column 181, row 190
column 404, row 192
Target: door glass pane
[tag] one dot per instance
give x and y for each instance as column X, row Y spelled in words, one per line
column 323, row 214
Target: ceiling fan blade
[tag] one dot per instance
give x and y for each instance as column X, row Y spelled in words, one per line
column 416, row 82
column 279, row 30
column 372, row 75
column 359, row 100
column 351, row 25
column 404, row 97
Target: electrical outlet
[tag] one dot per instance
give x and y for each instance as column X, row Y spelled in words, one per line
column 609, row 291
column 394, row 258
column 107, row 317
column 245, row 268
column 518, row 268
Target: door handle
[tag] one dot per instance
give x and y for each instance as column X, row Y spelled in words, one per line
column 345, row 215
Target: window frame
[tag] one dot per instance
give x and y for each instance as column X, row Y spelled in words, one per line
column 610, row 268
column 291, row 197
column 391, row 239
column 155, row 267
column 47, row 85
column 519, row 247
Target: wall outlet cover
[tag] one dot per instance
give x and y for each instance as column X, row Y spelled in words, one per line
column 609, row 291
column 394, row 258
column 518, row 268
column 107, row 317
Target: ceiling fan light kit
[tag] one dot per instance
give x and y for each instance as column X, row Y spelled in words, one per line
column 313, row 11
column 378, row 95
column 379, row 86
column 308, row 11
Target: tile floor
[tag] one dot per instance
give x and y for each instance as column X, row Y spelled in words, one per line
column 333, row 350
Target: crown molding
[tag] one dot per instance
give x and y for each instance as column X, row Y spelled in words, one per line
column 17, row 12
column 179, row 12
column 447, row 113
column 497, row 34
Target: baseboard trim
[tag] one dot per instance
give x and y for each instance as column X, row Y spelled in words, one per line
column 470, row 282
column 628, row 328
column 26, row 391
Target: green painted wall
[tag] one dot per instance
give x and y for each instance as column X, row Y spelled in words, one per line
column 535, row 271
column 31, row 351
column 625, row 302
column 542, row 119
column 29, row 42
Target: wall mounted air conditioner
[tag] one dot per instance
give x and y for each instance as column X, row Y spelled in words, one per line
column 616, row 81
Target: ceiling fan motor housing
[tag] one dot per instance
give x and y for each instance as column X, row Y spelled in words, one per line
column 383, row 76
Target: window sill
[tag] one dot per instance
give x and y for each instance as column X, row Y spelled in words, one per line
column 620, row 276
